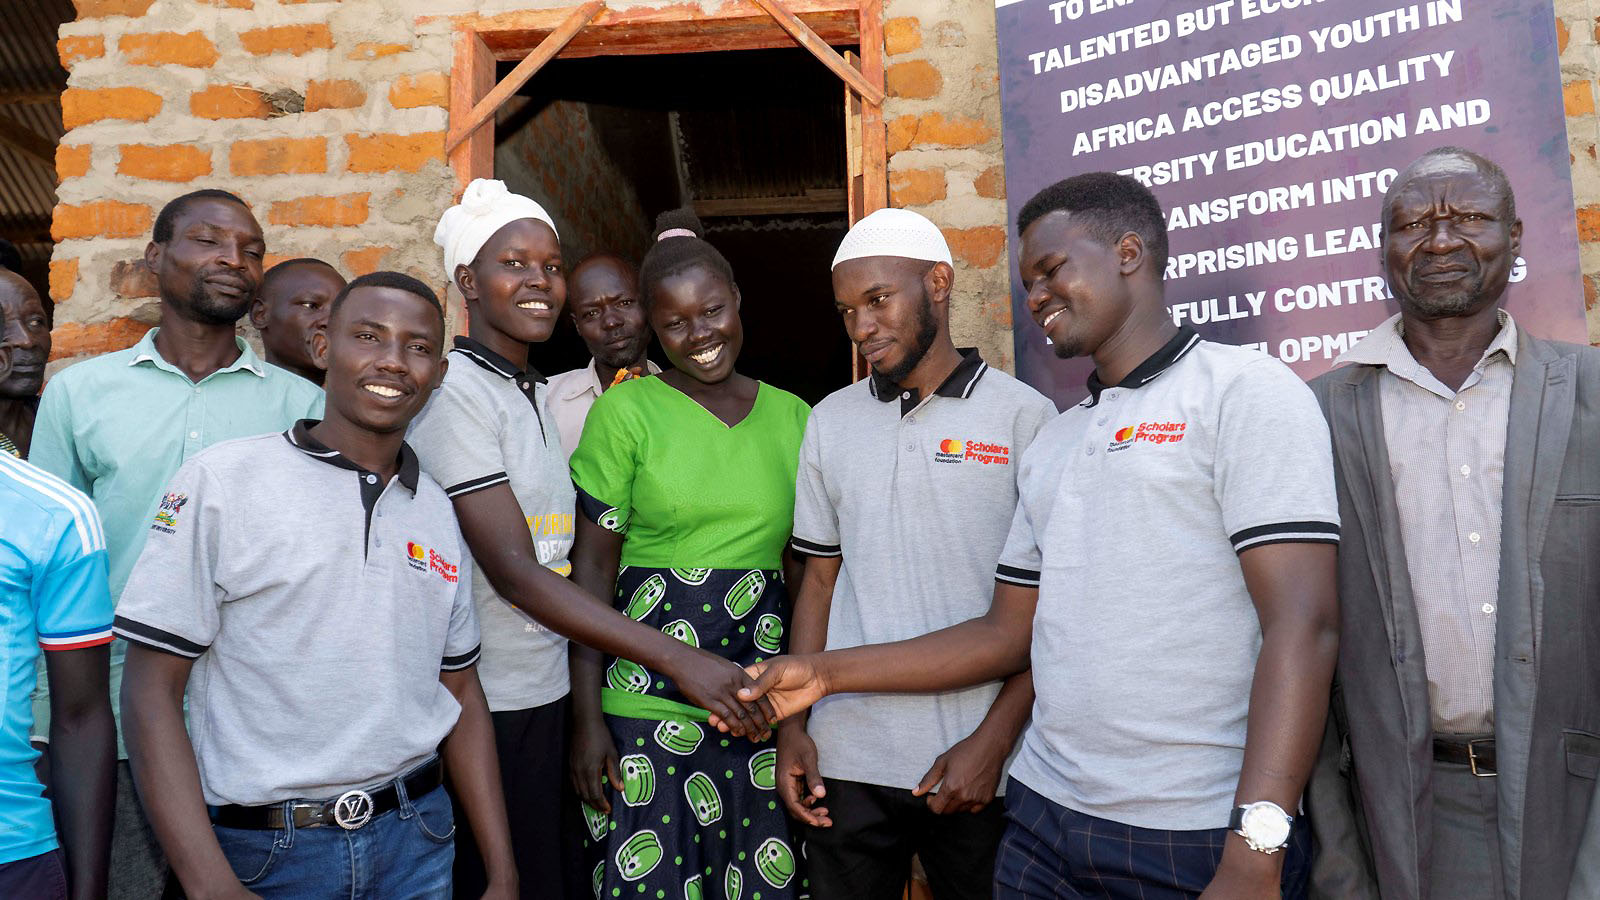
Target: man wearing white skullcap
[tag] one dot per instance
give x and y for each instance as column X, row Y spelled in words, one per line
column 906, row 491
column 488, row 437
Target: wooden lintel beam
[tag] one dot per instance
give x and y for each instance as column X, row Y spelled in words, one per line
column 819, row 48
column 824, row 200
column 30, row 97
column 19, row 137
column 484, row 109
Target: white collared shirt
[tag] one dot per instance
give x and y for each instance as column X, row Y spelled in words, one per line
column 572, row 394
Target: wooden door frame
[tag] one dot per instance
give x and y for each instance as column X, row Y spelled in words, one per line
column 536, row 36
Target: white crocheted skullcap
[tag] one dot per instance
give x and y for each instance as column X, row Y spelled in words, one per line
column 894, row 232
column 486, row 206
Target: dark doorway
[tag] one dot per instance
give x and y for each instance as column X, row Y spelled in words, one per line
column 753, row 140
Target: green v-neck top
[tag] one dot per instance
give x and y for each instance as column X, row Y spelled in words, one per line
column 687, row 490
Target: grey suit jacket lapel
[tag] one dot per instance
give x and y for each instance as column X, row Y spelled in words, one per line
column 1537, row 429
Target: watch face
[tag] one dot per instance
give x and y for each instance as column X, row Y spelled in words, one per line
column 1265, row 825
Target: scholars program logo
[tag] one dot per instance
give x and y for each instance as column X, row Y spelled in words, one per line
column 953, row 451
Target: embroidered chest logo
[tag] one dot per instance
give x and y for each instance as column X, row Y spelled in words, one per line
column 953, row 451
column 425, row 559
column 167, row 514
column 1147, row 432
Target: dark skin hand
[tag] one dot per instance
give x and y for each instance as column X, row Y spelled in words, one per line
column 83, row 749
column 968, row 774
column 471, row 760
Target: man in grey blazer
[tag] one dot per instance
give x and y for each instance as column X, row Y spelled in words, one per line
column 1461, row 753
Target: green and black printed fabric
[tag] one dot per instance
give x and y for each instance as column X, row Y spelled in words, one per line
column 696, row 815
column 705, row 510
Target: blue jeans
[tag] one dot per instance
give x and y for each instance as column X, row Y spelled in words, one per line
column 404, row 854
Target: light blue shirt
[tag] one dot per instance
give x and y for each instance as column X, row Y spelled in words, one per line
column 52, row 595
column 118, row 426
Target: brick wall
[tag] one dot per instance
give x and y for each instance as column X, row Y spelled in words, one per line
column 328, row 116
column 557, row 159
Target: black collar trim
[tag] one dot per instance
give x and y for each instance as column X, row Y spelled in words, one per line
column 1147, row 371
column 300, row 438
column 494, row 362
column 958, row 384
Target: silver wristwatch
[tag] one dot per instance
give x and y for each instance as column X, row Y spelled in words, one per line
column 1263, row 825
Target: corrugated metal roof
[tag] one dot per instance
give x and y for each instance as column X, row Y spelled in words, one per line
column 29, row 68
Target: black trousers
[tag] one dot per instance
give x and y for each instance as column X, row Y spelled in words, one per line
column 545, row 827
column 866, row 855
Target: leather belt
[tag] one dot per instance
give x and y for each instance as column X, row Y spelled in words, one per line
column 350, row 810
column 1475, row 753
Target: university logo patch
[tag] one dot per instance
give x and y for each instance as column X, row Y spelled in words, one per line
column 953, row 451
column 167, row 514
column 1147, row 432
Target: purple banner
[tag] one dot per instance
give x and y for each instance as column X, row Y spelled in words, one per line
column 1269, row 130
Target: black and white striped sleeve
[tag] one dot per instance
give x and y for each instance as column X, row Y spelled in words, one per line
column 155, row 638
column 1021, row 560
column 816, row 519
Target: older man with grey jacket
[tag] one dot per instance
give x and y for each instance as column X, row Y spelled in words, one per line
column 1461, row 755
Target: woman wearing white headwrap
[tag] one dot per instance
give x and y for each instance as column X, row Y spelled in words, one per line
column 488, row 438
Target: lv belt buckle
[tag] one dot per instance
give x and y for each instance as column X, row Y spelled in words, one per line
column 353, row 809
column 1472, row 757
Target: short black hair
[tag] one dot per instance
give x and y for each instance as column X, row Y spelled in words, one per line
column 1490, row 169
column 397, row 280
column 167, row 220
column 284, row 267
column 1108, row 205
column 679, row 253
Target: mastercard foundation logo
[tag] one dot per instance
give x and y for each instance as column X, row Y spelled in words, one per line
column 1124, row 433
column 417, row 556
column 954, row 448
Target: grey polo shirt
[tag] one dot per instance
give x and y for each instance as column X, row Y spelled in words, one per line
column 917, row 495
column 1135, row 504
column 319, row 604
column 489, row 424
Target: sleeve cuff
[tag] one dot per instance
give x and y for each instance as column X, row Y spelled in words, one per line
column 463, row 661
column 76, row 640
column 812, row 548
column 1016, row 576
column 601, row 513
column 156, row 639
column 476, row 484
column 1285, row 533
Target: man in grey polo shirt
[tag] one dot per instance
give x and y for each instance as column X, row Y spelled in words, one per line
column 312, row 590
column 906, row 488
column 1172, row 565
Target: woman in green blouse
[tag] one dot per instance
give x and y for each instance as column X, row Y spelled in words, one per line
column 686, row 485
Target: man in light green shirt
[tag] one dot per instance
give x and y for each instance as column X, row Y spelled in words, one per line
column 118, row 426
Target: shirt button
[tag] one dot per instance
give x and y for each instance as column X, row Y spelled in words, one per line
column 524, row 385
column 906, row 396
column 911, row 420
column 1088, row 451
column 910, row 446
column 378, row 542
column 1102, row 421
column 1488, row 609
column 194, row 435
column 1461, row 404
column 1466, row 470
column 372, row 479
column 1474, row 537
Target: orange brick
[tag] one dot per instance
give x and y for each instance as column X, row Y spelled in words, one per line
column 72, row 160
column 347, row 209
column 914, row 80
column 916, row 187
column 70, row 339
column 902, row 130
column 73, row 49
column 80, row 106
column 193, row 49
column 1589, row 223
column 992, row 183
column 103, row 218
column 901, row 35
column 229, row 101
column 294, row 39
column 337, row 93
column 934, row 128
column 63, row 279
column 1563, row 34
column 279, row 156
column 374, row 50
column 394, row 152
column 978, row 247
column 427, row 89
column 131, row 279
column 94, row 9
column 365, row 260
column 1578, row 97
column 172, row 162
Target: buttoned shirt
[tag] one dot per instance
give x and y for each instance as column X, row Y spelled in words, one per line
column 572, row 394
column 1447, row 458
column 118, row 426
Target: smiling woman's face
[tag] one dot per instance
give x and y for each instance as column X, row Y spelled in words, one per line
column 695, row 315
column 516, row 283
